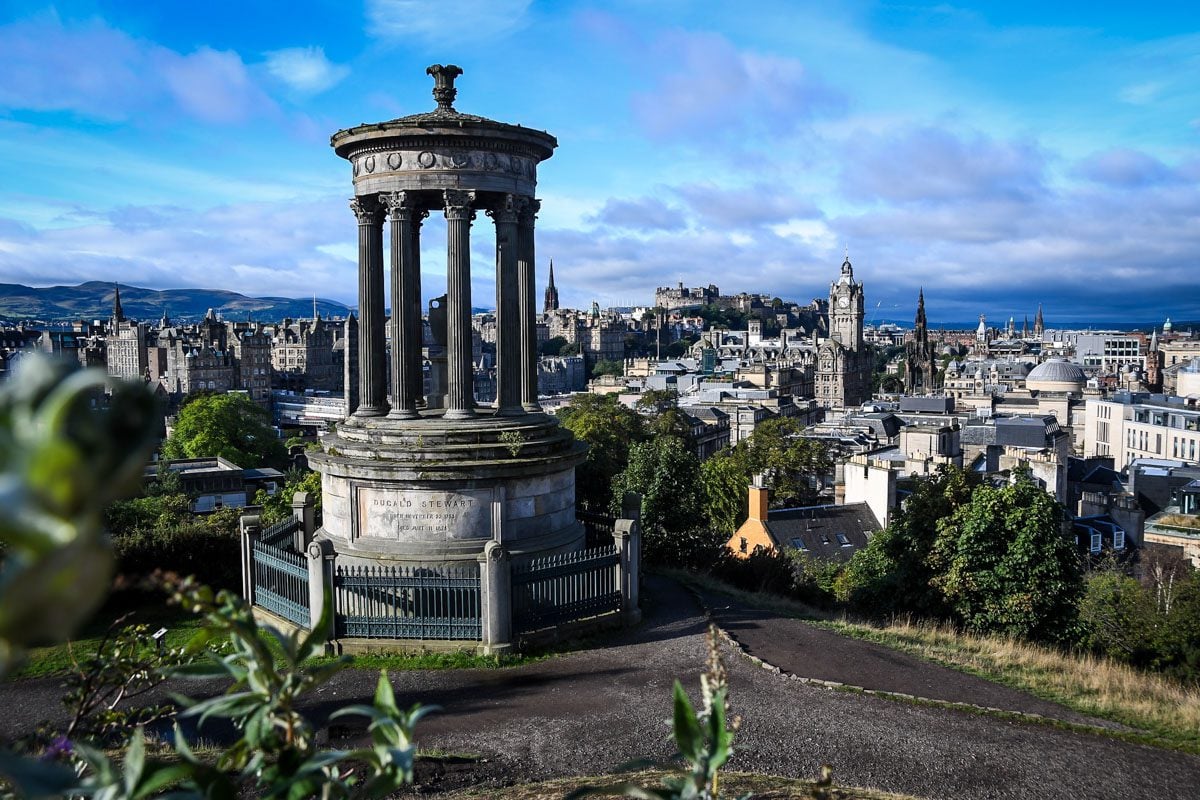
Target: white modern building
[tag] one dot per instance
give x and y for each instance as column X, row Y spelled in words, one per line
column 1128, row 426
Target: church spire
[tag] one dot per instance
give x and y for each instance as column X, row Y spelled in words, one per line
column 1039, row 325
column 920, row 334
column 551, row 299
column 118, row 313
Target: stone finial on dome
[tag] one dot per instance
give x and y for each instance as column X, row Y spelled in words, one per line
column 443, row 84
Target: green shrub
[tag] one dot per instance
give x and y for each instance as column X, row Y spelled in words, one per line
column 193, row 548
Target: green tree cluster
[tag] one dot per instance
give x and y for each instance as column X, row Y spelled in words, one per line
column 792, row 465
column 609, row 429
column 1153, row 625
column 994, row 559
column 552, row 346
column 607, row 366
column 279, row 505
column 229, row 426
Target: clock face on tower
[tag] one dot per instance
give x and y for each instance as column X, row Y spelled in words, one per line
column 844, row 301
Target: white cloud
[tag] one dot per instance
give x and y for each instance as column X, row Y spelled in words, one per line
column 812, row 232
column 1141, row 94
column 438, row 22
column 305, row 69
column 102, row 73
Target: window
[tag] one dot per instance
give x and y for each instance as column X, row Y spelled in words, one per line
column 1096, row 542
column 1118, row 539
column 824, row 539
column 798, row 543
column 842, row 540
column 743, row 545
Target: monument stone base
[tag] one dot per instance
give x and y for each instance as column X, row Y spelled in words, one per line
column 433, row 492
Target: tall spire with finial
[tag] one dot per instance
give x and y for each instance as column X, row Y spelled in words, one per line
column 118, row 313
column 920, row 333
column 1039, row 324
column 551, row 299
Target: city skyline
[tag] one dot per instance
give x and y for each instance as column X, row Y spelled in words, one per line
column 998, row 157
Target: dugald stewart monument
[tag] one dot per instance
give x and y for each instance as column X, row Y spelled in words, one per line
column 418, row 474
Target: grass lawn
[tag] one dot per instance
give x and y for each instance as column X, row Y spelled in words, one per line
column 1163, row 711
column 181, row 627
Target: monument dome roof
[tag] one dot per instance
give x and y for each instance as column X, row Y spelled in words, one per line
column 1056, row 375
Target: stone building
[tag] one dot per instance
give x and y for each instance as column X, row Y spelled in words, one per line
column 670, row 297
column 251, row 348
column 599, row 336
column 302, row 355
column 125, row 344
column 198, row 359
column 844, row 360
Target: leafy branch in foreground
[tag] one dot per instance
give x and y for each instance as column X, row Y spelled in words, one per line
column 67, row 450
column 276, row 749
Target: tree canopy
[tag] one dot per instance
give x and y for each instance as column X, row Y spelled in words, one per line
column 230, row 426
column 279, row 505
column 665, row 473
column 552, row 346
column 893, row 573
column 1004, row 565
column 608, row 366
column 608, row 428
column 792, row 464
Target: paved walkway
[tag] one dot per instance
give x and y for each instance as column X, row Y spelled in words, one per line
column 587, row 712
column 798, row 648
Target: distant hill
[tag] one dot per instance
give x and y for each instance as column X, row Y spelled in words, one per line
column 94, row 300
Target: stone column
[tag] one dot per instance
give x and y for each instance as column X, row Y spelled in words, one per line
column 527, row 280
column 371, row 346
column 508, row 325
column 406, row 304
column 460, row 397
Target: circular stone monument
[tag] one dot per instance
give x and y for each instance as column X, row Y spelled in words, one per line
column 410, row 478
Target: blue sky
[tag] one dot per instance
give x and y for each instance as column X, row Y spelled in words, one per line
column 998, row 154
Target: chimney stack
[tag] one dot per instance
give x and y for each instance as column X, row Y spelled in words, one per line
column 759, row 494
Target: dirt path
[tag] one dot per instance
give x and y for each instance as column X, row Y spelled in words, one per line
column 587, row 712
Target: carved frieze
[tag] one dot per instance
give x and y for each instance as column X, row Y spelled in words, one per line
column 448, row 159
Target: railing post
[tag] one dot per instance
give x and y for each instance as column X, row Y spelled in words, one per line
column 627, row 535
column 495, row 589
column 250, row 529
column 320, row 577
column 304, row 509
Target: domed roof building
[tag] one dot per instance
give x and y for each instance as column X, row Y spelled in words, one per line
column 1056, row 375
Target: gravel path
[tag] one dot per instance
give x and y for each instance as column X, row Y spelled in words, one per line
column 587, row 712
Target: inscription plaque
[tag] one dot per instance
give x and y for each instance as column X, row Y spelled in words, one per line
column 415, row 515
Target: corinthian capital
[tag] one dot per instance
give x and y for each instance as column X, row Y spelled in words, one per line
column 505, row 211
column 367, row 209
column 458, row 204
column 527, row 209
column 400, row 205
